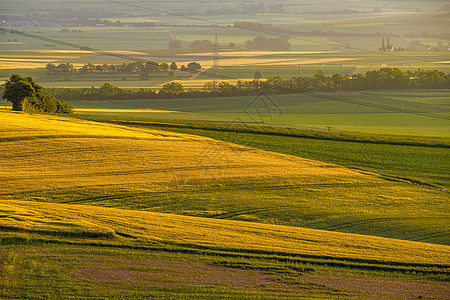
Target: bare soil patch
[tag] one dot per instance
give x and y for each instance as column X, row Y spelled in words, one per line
column 120, row 272
column 370, row 287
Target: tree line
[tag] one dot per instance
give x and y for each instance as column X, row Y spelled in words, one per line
column 271, row 44
column 147, row 67
column 383, row 79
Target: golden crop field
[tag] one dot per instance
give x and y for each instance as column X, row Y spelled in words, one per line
column 202, row 82
column 321, row 173
column 63, row 159
column 260, row 53
column 49, row 152
column 6, row 65
column 81, row 187
column 118, row 110
column 249, row 61
column 146, row 228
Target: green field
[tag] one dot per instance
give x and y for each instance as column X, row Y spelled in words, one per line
column 314, row 111
column 349, row 53
column 295, row 63
column 321, row 195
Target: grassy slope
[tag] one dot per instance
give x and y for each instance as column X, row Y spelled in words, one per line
column 132, row 228
column 418, row 159
column 313, row 110
column 83, row 272
column 84, row 251
column 146, row 169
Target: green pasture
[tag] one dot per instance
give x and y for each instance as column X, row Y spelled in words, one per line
column 316, row 110
column 104, row 38
column 286, row 71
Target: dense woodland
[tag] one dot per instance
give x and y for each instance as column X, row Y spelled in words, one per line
column 383, row 79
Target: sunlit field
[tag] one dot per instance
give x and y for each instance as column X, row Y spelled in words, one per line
column 175, row 188
column 321, row 111
column 68, row 160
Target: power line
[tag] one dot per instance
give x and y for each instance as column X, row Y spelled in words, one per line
column 381, row 106
column 265, row 31
column 70, row 45
column 211, row 75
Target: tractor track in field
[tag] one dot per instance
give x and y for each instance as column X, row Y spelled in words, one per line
column 72, row 150
column 432, row 236
column 230, row 215
column 354, row 223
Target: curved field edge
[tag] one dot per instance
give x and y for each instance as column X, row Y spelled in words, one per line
column 417, row 160
column 176, row 173
column 21, row 126
column 353, row 205
column 122, row 228
column 239, row 126
column 88, row 271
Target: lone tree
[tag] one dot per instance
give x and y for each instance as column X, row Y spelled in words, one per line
column 173, row 66
column 17, row 88
column 194, row 66
column 163, row 66
column 26, row 95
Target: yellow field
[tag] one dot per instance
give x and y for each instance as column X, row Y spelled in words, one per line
column 146, row 228
column 9, row 65
column 19, row 57
column 258, row 53
column 88, row 52
column 27, row 60
column 268, row 61
column 19, row 64
column 48, row 152
column 202, row 82
column 117, row 110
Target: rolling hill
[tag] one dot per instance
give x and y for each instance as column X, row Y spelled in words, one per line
column 64, row 160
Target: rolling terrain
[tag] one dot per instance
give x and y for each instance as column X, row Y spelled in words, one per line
column 94, row 208
column 307, row 195
column 66, row 160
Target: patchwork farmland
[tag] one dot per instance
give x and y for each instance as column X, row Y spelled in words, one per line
column 204, row 181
